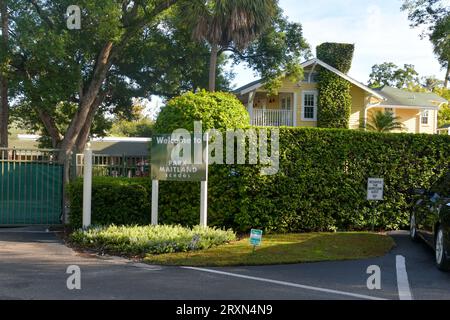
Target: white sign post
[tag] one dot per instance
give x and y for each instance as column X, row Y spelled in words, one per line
column 375, row 193
column 87, row 186
column 204, row 190
column 155, row 196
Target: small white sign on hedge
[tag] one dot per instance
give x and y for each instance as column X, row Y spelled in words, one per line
column 375, row 189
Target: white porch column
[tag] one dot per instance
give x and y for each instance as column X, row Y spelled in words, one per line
column 294, row 120
column 251, row 99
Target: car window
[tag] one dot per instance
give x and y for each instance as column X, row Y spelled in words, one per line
column 442, row 186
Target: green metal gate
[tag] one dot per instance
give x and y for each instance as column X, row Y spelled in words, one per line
column 31, row 187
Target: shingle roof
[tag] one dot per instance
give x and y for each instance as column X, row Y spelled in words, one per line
column 249, row 85
column 399, row 97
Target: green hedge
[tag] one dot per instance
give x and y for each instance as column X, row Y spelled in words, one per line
column 335, row 101
column 114, row 201
column 321, row 185
column 338, row 55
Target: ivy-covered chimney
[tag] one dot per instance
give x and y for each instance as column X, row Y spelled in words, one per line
column 337, row 55
column 335, row 100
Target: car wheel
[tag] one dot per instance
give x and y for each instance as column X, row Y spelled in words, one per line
column 413, row 228
column 442, row 261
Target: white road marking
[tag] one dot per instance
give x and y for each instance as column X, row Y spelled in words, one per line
column 289, row 284
column 404, row 291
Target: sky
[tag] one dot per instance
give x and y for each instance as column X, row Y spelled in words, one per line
column 378, row 28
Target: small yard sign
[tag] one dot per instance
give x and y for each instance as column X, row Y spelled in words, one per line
column 255, row 237
column 375, row 189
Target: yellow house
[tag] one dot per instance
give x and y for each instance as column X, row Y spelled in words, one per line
column 296, row 103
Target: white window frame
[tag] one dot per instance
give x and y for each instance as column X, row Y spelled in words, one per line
column 286, row 96
column 422, row 117
column 316, row 95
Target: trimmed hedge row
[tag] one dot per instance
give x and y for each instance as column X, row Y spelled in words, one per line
column 117, row 201
column 321, row 185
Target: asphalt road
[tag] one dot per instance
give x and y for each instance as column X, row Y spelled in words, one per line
column 33, row 265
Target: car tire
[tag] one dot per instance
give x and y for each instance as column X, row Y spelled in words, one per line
column 442, row 260
column 413, row 228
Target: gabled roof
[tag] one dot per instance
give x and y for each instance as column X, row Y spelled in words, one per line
column 259, row 83
column 399, row 97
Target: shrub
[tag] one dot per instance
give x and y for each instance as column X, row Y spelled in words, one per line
column 217, row 110
column 335, row 100
column 338, row 55
column 135, row 240
column 114, row 200
column 321, row 185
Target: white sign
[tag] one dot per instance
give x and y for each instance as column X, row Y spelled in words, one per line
column 375, row 188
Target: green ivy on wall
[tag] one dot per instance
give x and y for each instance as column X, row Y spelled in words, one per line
column 335, row 100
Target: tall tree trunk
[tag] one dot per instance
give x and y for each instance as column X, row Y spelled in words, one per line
column 447, row 75
column 213, row 67
column 83, row 136
column 87, row 102
column 4, row 107
column 50, row 127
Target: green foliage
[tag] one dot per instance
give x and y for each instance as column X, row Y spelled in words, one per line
column 141, row 240
column 337, row 55
column 335, row 101
column 389, row 74
column 142, row 128
column 216, row 110
column 444, row 116
column 384, row 122
column 276, row 53
column 117, row 200
column 440, row 38
column 433, row 16
column 321, row 185
column 153, row 54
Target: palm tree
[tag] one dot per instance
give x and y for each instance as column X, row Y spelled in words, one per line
column 384, row 122
column 227, row 25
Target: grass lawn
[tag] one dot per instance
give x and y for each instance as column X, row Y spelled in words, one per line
column 284, row 249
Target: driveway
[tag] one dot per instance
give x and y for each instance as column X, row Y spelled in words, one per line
column 33, row 265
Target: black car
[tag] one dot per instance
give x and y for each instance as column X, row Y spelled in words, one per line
column 430, row 220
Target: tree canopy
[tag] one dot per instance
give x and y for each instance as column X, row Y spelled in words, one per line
column 434, row 16
column 67, row 83
column 124, row 49
column 389, row 74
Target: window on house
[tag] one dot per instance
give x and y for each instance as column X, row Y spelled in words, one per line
column 425, row 117
column 309, row 106
column 286, row 101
